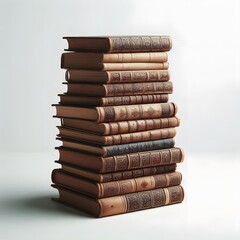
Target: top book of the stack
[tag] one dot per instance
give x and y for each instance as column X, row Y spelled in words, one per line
column 118, row 44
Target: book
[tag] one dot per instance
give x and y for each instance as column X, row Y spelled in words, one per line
column 116, row 66
column 115, row 176
column 114, row 188
column 123, row 89
column 113, row 150
column 119, row 44
column 111, row 101
column 81, row 60
column 120, row 204
column 118, row 113
column 88, row 76
column 123, row 162
column 92, row 138
column 122, row 126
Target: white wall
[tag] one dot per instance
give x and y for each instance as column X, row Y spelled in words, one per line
column 205, row 64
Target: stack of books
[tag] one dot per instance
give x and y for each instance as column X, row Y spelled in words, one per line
column 117, row 128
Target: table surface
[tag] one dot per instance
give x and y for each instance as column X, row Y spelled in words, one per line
column 211, row 208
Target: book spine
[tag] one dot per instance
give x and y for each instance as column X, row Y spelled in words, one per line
column 140, row 44
column 134, row 112
column 108, row 177
column 138, row 76
column 141, row 200
column 138, row 99
column 145, row 57
column 138, row 147
column 142, row 160
column 140, row 136
column 140, row 125
column 126, row 66
column 138, row 88
column 139, row 184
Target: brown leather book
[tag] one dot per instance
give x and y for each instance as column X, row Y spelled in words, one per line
column 87, row 76
column 119, row 44
column 121, row 162
column 115, row 176
column 118, row 149
column 66, row 99
column 80, row 60
column 121, row 127
column 84, row 136
column 118, row 113
column 114, row 188
column 120, row 204
column 123, row 89
column 115, row 66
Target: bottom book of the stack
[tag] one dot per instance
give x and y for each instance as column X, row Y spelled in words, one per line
column 102, row 199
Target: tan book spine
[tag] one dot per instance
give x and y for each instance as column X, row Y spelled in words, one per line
column 138, row 99
column 140, row 136
column 132, row 112
column 142, row 159
column 140, row 125
column 141, row 200
column 76, row 75
column 132, row 66
column 138, row 76
column 140, row 44
column 138, row 184
column 135, row 57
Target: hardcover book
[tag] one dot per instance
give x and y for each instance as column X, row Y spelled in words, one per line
column 118, row 149
column 130, row 202
column 89, row 137
column 87, row 76
column 121, row 162
column 66, row 99
column 119, row 44
column 112, row 128
column 123, row 89
column 115, row 176
column 118, row 113
column 114, row 188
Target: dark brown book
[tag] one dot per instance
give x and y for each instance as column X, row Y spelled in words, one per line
column 121, row 162
column 119, row 44
column 87, row 76
column 118, row 113
column 142, row 136
column 111, row 150
column 115, row 176
column 123, row 89
column 120, row 204
column 66, row 99
column 114, row 188
column 121, row 127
